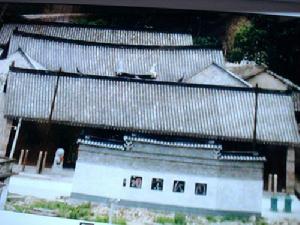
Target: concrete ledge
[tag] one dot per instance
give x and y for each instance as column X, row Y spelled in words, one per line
column 159, row 207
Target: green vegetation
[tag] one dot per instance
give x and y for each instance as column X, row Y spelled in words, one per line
column 119, row 220
column 102, row 219
column 227, row 218
column 270, row 41
column 242, row 219
column 87, row 21
column 62, row 209
column 261, row 221
column 249, row 44
column 178, row 219
column 207, row 42
column 212, row 219
column 164, row 220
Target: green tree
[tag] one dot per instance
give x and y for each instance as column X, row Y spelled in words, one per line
column 249, row 43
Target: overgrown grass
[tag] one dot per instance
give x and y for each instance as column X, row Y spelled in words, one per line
column 62, row 209
column 212, row 219
column 102, row 219
column 243, row 219
column 178, row 219
column 119, row 220
column 261, row 221
column 237, row 218
column 164, row 220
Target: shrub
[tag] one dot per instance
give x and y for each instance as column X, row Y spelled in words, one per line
column 211, row 219
column 164, row 220
column 180, row 219
column 119, row 220
column 261, row 221
column 243, row 219
column 101, row 219
column 207, row 42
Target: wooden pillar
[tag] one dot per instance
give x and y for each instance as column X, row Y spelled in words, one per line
column 21, row 157
column 270, row 182
column 275, row 184
column 290, row 170
column 44, row 161
column 39, row 161
column 12, row 151
column 25, row 160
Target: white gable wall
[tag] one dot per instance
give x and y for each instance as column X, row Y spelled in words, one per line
column 214, row 75
column 267, row 81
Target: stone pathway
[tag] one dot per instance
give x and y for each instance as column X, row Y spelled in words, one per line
column 13, row 218
column 47, row 185
column 273, row 216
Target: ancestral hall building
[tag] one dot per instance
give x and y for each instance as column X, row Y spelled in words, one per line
column 153, row 121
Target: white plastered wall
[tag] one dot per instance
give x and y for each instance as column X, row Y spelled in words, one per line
column 226, row 194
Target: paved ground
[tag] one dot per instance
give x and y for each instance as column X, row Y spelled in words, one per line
column 12, row 218
column 272, row 216
column 42, row 185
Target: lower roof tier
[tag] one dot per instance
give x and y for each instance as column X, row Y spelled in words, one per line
column 201, row 111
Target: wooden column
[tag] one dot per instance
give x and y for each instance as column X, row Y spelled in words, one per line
column 39, row 161
column 270, row 177
column 25, row 160
column 12, row 151
column 290, row 170
column 44, row 161
column 21, row 158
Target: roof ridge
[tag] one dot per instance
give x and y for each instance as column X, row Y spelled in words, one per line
column 135, row 80
column 16, row 32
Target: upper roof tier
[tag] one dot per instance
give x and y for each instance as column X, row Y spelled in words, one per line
column 98, row 34
column 171, row 62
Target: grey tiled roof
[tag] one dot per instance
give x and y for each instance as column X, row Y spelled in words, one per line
column 33, row 94
column 171, row 143
column 239, row 156
column 249, row 71
column 98, row 34
column 104, row 59
column 101, row 144
column 126, row 144
column 242, row 158
column 153, row 107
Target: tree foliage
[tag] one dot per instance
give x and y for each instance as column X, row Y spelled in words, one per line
column 272, row 41
column 249, row 43
column 207, row 42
